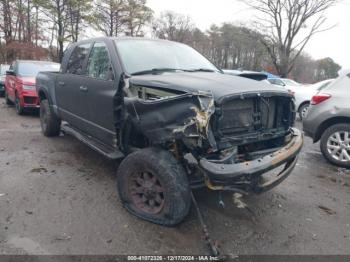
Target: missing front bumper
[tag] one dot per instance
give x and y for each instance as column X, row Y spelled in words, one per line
column 246, row 176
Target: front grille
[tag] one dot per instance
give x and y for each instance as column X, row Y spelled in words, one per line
column 242, row 117
column 30, row 100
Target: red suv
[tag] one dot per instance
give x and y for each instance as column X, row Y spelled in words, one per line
column 20, row 83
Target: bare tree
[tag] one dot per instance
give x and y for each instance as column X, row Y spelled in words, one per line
column 288, row 25
column 108, row 16
column 173, row 26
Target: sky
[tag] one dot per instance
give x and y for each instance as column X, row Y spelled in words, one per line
column 334, row 43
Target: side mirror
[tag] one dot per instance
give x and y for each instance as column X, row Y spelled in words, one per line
column 10, row 73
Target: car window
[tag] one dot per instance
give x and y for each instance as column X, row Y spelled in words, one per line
column 99, row 65
column 77, row 58
column 290, row 82
column 323, row 86
column 276, row 82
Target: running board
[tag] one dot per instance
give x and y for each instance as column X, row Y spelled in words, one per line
column 92, row 143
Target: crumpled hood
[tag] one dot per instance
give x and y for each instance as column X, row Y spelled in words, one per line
column 221, row 85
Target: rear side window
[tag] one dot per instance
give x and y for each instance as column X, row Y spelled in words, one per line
column 77, row 58
column 276, row 82
column 99, row 65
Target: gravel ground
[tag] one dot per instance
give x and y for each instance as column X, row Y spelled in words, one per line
column 57, row 196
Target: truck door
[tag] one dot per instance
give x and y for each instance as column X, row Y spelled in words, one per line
column 97, row 93
column 68, row 92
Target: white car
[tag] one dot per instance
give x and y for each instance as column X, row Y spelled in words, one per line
column 285, row 82
column 302, row 93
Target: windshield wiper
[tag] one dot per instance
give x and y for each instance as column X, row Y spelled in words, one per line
column 200, row 70
column 155, row 71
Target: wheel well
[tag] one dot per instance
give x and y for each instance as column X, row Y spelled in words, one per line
column 42, row 95
column 303, row 103
column 132, row 137
column 328, row 123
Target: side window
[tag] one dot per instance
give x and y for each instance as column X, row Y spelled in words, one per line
column 272, row 81
column 77, row 58
column 99, row 65
column 276, row 82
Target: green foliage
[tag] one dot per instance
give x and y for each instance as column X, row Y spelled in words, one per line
column 326, row 69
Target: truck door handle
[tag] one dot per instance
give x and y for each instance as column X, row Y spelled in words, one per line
column 83, row 88
column 61, row 83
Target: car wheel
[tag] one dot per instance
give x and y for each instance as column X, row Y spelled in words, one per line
column 19, row 108
column 303, row 110
column 335, row 145
column 49, row 122
column 153, row 186
column 7, row 99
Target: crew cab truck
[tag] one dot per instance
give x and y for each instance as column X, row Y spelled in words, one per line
column 176, row 120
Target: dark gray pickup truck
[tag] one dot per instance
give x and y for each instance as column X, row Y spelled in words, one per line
column 175, row 118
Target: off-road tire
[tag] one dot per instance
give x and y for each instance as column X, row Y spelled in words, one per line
column 7, row 100
column 324, row 139
column 301, row 109
column 19, row 108
column 49, row 122
column 172, row 177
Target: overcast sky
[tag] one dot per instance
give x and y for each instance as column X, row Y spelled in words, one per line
column 334, row 43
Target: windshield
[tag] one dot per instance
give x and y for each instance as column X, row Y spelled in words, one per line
column 289, row 82
column 143, row 55
column 32, row 68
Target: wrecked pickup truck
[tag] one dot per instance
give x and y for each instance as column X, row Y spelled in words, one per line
column 174, row 118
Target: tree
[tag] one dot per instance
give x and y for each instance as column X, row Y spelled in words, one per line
column 78, row 12
column 19, row 24
column 288, row 25
column 108, row 16
column 326, row 69
column 65, row 17
column 116, row 17
column 137, row 15
column 173, row 26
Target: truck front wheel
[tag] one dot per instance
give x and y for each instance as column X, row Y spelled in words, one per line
column 153, row 186
column 50, row 123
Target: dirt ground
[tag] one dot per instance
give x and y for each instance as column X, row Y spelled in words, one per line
column 57, row 196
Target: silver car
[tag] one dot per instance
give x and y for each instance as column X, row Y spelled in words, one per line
column 328, row 120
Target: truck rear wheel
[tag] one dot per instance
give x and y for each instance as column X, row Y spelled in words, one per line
column 153, row 186
column 50, row 123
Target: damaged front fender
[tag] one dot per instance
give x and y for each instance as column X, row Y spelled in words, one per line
column 183, row 117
